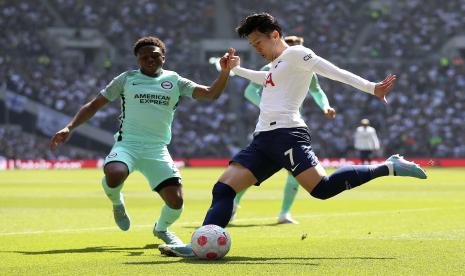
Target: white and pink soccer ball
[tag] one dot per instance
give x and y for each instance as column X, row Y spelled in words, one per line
column 210, row 242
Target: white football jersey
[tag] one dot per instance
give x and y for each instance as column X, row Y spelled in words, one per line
column 366, row 138
column 286, row 84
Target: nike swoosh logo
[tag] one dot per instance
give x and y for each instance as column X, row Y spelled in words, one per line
column 137, row 83
column 293, row 169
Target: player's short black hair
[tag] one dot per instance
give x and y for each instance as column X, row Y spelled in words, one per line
column 262, row 22
column 149, row 40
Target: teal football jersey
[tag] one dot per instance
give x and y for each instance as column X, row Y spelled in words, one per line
column 147, row 104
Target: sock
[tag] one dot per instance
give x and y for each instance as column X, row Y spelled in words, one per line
column 222, row 204
column 290, row 191
column 346, row 178
column 114, row 194
column 238, row 197
column 390, row 166
column 167, row 217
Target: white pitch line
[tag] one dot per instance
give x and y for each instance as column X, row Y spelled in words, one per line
column 338, row 214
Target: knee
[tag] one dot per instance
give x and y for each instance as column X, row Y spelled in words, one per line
column 321, row 190
column 115, row 176
column 176, row 202
column 115, row 179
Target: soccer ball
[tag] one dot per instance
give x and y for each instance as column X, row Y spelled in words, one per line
column 210, row 242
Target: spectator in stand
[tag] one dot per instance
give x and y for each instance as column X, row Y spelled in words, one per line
column 430, row 92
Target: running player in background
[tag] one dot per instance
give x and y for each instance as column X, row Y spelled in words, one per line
column 253, row 93
column 281, row 138
column 149, row 97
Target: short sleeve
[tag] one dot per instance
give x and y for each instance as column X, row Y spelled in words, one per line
column 304, row 57
column 115, row 88
column 186, row 87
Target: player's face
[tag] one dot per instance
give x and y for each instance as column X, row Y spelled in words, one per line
column 150, row 59
column 264, row 44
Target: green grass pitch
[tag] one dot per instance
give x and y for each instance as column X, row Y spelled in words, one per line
column 60, row 223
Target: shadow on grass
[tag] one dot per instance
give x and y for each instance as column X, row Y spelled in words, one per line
column 232, row 225
column 254, row 260
column 132, row 251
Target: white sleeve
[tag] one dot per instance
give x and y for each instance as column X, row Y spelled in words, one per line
column 257, row 77
column 309, row 61
column 331, row 71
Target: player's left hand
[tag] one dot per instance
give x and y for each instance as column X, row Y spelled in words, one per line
column 224, row 61
column 330, row 112
column 383, row 88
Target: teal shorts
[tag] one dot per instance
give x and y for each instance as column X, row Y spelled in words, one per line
column 152, row 160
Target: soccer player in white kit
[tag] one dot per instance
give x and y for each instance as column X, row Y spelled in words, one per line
column 281, row 138
column 253, row 93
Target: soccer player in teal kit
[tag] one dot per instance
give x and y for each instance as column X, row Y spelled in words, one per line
column 149, row 97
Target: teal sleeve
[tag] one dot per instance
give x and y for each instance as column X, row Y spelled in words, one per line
column 115, row 88
column 253, row 93
column 318, row 94
column 186, row 87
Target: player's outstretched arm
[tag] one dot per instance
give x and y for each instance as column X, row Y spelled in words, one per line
column 257, row 77
column 329, row 70
column 83, row 115
column 215, row 90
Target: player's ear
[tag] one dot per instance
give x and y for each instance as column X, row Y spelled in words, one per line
column 275, row 35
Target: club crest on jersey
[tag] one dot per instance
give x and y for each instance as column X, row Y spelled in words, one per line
column 166, row 85
column 269, row 80
column 307, row 57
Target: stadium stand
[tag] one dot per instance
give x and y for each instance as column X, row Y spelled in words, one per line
column 424, row 118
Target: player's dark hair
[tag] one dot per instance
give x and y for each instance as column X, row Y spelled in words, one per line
column 149, row 41
column 262, row 22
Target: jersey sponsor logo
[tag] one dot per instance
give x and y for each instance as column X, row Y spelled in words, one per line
column 307, row 57
column 112, row 154
column 269, row 80
column 153, row 99
column 166, row 85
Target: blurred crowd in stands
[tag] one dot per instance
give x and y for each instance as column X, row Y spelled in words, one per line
column 424, row 118
column 15, row 144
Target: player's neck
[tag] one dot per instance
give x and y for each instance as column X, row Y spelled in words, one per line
column 281, row 46
column 155, row 74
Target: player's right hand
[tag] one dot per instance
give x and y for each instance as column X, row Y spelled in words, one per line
column 59, row 137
